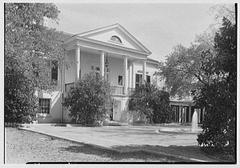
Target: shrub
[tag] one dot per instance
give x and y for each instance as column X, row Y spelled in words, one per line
column 148, row 100
column 87, row 100
column 20, row 104
column 220, row 97
column 219, row 124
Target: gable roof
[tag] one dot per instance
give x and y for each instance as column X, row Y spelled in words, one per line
column 114, row 26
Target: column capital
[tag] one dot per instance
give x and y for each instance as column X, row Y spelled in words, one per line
column 77, row 45
column 102, row 52
column 125, row 57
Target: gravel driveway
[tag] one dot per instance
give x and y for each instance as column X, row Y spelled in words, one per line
column 24, row 146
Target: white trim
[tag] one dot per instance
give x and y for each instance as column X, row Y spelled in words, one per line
column 86, row 43
column 78, row 41
column 98, row 30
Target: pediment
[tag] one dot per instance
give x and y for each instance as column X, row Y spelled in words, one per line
column 115, row 35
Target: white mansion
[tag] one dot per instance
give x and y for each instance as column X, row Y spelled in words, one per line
column 116, row 55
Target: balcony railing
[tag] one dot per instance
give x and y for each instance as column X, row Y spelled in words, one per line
column 130, row 91
column 117, row 90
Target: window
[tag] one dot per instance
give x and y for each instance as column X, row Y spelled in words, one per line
column 54, row 71
column 116, row 39
column 138, row 80
column 148, row 79
column 97, row 69
column 44, row 105
column 97, row 72
column 120, row 80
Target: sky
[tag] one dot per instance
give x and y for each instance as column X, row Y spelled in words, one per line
column 159, row 27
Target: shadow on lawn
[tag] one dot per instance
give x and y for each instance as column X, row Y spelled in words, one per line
column 136, row 152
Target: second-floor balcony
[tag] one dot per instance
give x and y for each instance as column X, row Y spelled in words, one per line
column 119, row 90
column 114, row 90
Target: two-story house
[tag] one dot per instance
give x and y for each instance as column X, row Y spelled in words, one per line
column 113, row 53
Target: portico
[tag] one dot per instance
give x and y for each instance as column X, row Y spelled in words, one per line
column 112, row 53
column 125, row 56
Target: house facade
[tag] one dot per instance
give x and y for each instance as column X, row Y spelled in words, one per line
column 111, row 52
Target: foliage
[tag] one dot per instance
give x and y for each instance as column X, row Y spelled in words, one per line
column 148, row 100
column 189, row 68
column 223, row 11
column 87, row 100
column 28, row 44
column 186, row 69
column 219, row 98
column 208, row 71
column 19, row 105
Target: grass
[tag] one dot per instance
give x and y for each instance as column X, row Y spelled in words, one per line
column 224, row 155
column 24, row 146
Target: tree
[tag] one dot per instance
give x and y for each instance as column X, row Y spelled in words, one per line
column 209, row 72
column 223, row 11
column 148, row 100
column 189, row 68
column 220, row 97
column 186, row 69
column 88, row 99
column 28, row 44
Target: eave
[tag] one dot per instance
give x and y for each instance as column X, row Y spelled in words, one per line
column 99, row 45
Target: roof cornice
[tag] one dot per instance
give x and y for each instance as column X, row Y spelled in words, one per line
column 78, row 39
column 81, row 35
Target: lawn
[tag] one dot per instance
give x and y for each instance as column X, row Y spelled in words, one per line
column 24, row 146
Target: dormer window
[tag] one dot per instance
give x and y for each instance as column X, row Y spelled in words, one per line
column 116, row 39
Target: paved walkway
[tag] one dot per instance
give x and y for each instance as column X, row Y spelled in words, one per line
column 181, row 146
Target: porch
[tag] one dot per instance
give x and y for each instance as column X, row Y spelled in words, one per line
column 118, row 70
column 183, row 112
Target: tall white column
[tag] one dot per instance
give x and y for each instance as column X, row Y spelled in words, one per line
column 144, row 71
column 125, row 65
column 130, row 76
column 102, row 64
column 133, row 75
column 78, row 63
